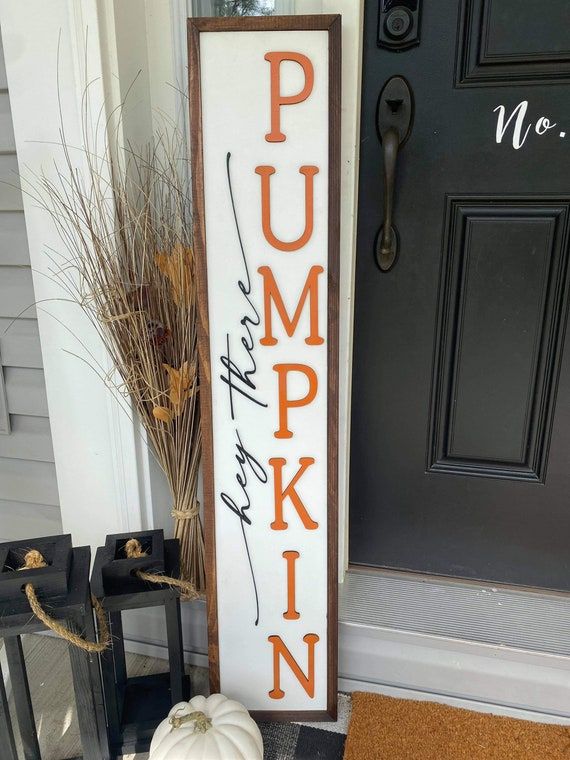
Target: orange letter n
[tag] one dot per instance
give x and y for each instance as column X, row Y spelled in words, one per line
column 280, row 650
column 278, row 100
column 310, row 291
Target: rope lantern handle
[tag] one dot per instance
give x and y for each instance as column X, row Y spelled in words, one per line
column 134, row 550
column 34, row 560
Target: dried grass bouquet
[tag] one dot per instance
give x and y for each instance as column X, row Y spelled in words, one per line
column 126, row 220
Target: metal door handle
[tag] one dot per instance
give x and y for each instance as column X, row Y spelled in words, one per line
column 388, row 244
column 394, row 122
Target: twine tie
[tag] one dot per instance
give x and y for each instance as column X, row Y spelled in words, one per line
column 186, row 514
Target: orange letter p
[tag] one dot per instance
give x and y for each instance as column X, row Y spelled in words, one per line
column 285, row 403
column 278, row 100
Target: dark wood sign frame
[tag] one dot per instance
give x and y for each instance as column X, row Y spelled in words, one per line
column 331, row 24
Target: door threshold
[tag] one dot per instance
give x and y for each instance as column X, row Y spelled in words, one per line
column 475, row 645
column 456, row 581
column 485, row 613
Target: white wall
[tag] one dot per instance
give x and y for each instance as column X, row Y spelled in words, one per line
column 93, row 440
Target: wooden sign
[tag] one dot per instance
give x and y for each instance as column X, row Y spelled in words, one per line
column 265, row 110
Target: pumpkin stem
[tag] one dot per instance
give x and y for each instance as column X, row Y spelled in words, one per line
column 201, row 722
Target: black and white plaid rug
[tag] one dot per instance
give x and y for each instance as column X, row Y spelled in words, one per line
column 300, row 741
column 307, row 741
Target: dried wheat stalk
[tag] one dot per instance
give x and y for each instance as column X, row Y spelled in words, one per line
column 125, row 218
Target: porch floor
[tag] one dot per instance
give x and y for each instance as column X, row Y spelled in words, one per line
column 49, row 674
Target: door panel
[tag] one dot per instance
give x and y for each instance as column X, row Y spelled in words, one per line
column 503, row 41
column 460, row 442
column 502, row 295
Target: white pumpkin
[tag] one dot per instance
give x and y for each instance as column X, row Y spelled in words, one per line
column 213, row 728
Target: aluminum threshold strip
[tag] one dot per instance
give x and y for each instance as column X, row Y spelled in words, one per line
column 472, row 611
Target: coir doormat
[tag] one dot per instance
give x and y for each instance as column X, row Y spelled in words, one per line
column 382, row 728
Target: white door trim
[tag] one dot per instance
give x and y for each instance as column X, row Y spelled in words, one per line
column 513, row 682
column 352, row 12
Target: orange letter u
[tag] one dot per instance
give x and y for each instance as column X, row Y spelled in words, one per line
column 265, row 173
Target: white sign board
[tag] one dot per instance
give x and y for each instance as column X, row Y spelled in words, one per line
column 265, row 138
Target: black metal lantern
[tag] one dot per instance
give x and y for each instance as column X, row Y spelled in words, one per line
column 61, row 583
column 135, row 706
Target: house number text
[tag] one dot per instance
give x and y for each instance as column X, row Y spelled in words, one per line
column 516, row 126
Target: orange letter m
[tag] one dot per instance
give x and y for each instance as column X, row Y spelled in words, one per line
column 310, row 291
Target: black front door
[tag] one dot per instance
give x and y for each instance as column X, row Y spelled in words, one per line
column 460, row 443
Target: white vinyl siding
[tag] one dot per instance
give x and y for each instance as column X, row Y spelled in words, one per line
column 29, row 502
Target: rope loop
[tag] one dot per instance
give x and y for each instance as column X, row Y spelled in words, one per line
column 34, row 560
column 134, row 550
